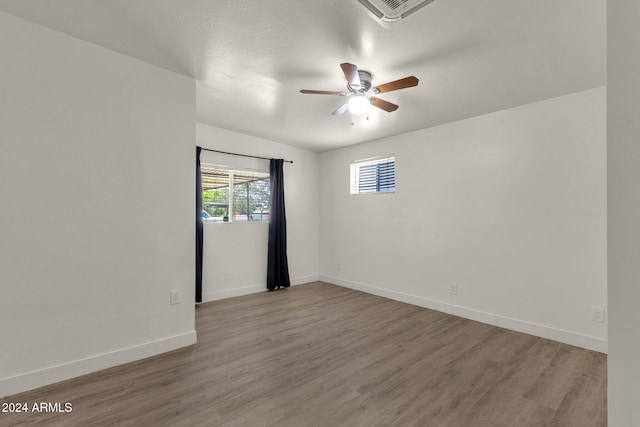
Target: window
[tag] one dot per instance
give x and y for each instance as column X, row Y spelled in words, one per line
column 373, row 176
column 230, row 195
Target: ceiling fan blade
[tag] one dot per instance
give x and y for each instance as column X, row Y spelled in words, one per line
column 397, row 84
column 341, row 109
column 382, row 104
column 351, row 73
column 322, row 92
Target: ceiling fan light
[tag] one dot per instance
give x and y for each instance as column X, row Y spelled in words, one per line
column 358, row 104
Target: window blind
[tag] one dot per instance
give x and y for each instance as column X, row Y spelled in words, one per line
column 373, row 176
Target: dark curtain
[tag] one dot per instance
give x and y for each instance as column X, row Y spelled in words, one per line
column 199, row 228
column 277, row 265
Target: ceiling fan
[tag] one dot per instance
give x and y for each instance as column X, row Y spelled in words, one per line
column 361, row 93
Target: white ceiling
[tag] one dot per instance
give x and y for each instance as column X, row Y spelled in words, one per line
column 251, row 57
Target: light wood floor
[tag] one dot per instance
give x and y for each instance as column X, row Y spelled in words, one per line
column 321, row 355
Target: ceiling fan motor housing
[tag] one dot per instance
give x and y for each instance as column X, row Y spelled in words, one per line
column 365, row 83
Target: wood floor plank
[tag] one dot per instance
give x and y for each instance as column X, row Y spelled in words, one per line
column 322, row 355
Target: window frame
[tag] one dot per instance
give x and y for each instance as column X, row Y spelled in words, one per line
column 231, row 172
column 355, row 175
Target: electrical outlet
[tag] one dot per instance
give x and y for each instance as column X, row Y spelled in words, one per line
column 597, row 314
column 176, row 296
column 453, row 289
column 226, row 276
column 339, row 267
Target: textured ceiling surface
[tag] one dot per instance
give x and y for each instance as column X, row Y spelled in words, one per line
column 250, row 58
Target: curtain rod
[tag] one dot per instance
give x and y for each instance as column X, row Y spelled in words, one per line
column 242, row 155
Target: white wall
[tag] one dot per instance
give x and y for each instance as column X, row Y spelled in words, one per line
column 240, row 249
column 510, row 206
column 623, row 167
column 96, row 182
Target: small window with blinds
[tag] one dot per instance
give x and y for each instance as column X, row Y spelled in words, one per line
column 373, row 176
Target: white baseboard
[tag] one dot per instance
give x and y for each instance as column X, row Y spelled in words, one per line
column 567, row 337
column 76, row 368
column 252, row 289
column 304, row 279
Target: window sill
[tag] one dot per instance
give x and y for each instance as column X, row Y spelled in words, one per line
column 207, row 223
column 372, row 192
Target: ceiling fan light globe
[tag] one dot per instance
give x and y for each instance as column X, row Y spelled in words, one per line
column 358, row 104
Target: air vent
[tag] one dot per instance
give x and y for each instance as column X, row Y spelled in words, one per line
column 387, row 12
